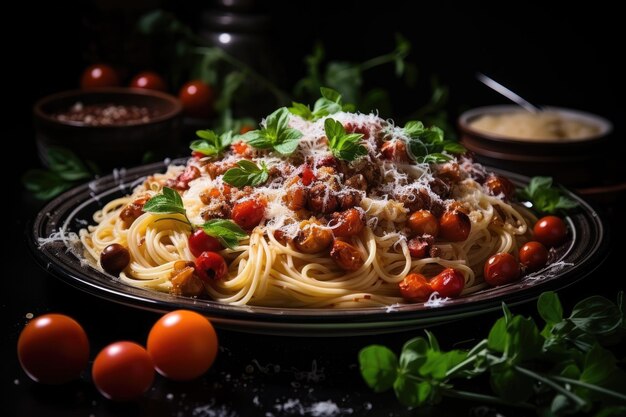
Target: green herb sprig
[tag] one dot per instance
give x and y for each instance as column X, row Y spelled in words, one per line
column 559, row 370
column 66, row 169
column 246, row 173
column 210, row 143
column 329, row 103
column 276, row 135
column 426, row 145
column 546, row 198
column 169, row 202
column 346, row 146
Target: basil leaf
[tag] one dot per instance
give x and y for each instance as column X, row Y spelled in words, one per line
column 413, row 355
column 301, row 110
column 549, row 307
column 167, row 202
column 596, row 315
column 210, row 143
column 44, row 184
column 510, row 385
column 546, row 198
column 66, row 164
column 599, row 365
column 246, row 173
column 226, row 231
column 410, row 392
column 379, row 367
column 343, row 145
column 328, row 104
column 276, row 134
column 426, row 145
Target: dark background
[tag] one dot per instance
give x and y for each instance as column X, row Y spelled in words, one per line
column 564, row 57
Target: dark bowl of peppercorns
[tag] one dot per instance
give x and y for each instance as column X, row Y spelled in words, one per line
column 111, row 127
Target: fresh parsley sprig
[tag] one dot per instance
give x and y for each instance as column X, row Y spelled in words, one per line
column 329, row 103
column 426, row 145
column 560, row 370
column 246, row 173
column 544, row 197
column 169, row 202
column 226, row 231
column 346, row 146
column 276, row 135
column 210, row 143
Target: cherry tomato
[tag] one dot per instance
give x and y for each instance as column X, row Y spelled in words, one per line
column 454, row 226
column 248, row 214
column 550, row 231
column 197, row 99
column 497, row 184
column 307, row 175
column 99, row 75
column 149, row 80
column 183, row 345
column 53, row 349
column 347, row 223
column 201, row 242
column 533, row 255
column 210, row 266
column 423, row 222
column 198, row 155
column 415, row 287
column 448, row 283
column 501, row 269
column 123, row 371
column 346, row 256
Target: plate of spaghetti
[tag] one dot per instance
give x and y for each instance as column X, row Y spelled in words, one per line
column 321, row 221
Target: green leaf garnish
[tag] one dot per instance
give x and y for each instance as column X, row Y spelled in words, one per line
column 329, row 103
column 546, row 198
column 247, row 173
column 343, row 145
column 426, row 145
column 210, row 144
column 276, row 134
column 226, row 231
column 168, row 202
column 562, row 370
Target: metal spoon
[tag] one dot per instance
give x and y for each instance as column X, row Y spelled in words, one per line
column 507, row 93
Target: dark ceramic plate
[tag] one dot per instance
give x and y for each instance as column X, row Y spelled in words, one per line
column 70, row 211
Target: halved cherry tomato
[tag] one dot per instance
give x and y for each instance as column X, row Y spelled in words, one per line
column 418, row 247
column 201, row 242
column 210, row 266
column 455, row 226
column 533, row 255
column 346, row 256
column 99, row 75
column 53, row 349
column 197, row 98
column 183, row 345
column 347, row 223
column 415, row 287
column 501, row 269
column 423, row 222
column 499, row 185
column 123, row 371
column 448, row 283
column 248, row 214
column 550, row 231
column 149, row 80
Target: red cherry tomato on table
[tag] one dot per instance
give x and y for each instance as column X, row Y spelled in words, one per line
column 415, row 287
column 533, row 255
column 248, row 214
column 448, row 283
column 53, row 349
column 149, row 80
column 550, row 230
column 501, row 269
column 99, row 75
column 210, row 266
column 183, row 345
column 197, row 99
column 123, row 371
column 201, row 242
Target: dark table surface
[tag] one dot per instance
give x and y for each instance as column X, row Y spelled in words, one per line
column 254, row 375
